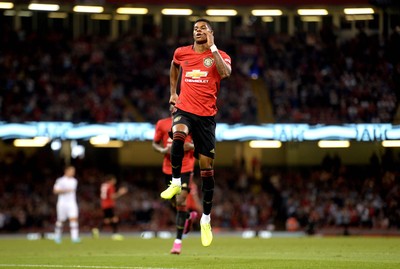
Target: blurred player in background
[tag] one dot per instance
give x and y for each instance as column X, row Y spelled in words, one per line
column 162, row 144
column 196, row 72
column 67, row 207
column 108, row 195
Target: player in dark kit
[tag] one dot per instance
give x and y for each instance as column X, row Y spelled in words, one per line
column 201, row 67
column 162, row 144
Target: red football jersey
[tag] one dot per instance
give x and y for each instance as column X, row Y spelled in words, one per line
column 106, row 192
column 200, row 82
column 163, row 126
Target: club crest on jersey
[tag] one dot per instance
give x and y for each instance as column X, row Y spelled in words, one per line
column 208, row 62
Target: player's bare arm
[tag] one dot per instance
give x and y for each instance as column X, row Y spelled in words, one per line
column 188, row 146
column 223, row 68
column 121, row 191
column 159, row 148
column 59, row 191
column 173, row 78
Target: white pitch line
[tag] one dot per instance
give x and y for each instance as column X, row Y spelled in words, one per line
column 77, row 266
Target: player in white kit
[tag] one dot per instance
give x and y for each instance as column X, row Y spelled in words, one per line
column 67, row 206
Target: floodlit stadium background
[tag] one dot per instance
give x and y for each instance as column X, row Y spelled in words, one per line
column 329, row 146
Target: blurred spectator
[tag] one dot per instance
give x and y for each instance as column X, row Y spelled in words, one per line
column 315, row 197
column 49, row 77
column 313, row 79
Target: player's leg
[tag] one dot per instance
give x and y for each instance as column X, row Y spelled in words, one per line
column 207, row 188
column 73, row 223
column 193, row 205
column 74, row 230
column 181, row 214
column 58, row 231
column 115, row 226
column 191, row 217
column 180, row 131
column 204, row 143
column 104, row 222
column 61, row 217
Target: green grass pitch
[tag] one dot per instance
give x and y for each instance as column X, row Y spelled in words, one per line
column 225, row 252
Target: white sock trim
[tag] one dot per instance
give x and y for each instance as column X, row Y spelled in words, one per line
column 205, row 219
column 176, row 181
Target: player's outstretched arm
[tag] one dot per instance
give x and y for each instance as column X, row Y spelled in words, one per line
column 121, row 191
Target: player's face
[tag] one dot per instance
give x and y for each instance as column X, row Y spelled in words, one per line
column 70, row 171
column 199, row 32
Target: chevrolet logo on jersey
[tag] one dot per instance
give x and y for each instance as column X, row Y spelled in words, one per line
column 195, row 74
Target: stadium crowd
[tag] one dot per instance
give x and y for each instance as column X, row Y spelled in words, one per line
column 317, row 78
column 50, row 77
column 311, row 78
column 331, row 195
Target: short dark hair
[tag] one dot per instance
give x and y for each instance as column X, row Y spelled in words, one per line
column 204, row 20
